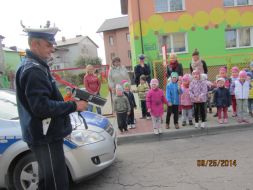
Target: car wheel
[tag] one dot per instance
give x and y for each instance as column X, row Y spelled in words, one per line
column 25, row 174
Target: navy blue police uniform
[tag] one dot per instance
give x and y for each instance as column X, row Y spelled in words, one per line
column 44, row 116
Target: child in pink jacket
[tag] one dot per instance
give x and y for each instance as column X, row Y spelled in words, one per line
column 155, row 100
column 185, row 100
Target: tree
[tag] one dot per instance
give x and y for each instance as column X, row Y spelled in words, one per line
column 84, row 61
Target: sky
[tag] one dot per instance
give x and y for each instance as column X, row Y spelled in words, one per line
column 72, row 17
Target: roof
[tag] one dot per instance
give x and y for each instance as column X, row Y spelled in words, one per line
column 8, row 49
column 72, row 41
column 1, row 37
column 113, row 24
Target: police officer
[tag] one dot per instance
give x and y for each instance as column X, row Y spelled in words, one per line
column 44, row 116
column 142, row 69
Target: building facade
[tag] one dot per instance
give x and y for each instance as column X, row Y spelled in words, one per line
column 117, row 40
column 222, row 30
column 68, row 51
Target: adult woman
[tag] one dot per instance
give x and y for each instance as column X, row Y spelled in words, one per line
column 117, row 74
column 142, row 69
column 197, row 63
column 92, row 84
column 174, row 66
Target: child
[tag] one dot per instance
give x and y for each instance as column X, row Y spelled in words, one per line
column 208, row 103
column 234, row 77
column 250, row 100
column 92, row 85
column 172, row 96
column 185, row 100
column 222, row 100
column 142, row 90
column 222, row 74
column 68, row 96
column 242, row 87
column 155, row 100
column 121, row 108
column 130, row 97
column 198, row 94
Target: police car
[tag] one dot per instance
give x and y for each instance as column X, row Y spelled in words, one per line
column 89, row 149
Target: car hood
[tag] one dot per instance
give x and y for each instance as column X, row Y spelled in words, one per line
column 10, row 128
column 93, row 119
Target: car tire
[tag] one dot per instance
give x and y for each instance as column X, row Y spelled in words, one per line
column 25, row 174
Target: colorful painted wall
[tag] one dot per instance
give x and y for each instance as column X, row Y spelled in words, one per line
column 11, row 60
column 203, row 21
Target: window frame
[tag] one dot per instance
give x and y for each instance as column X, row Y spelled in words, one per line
column 169, row 7
column 128, row 37
column 111, row 40
column 171, row 45
column 238, row 39
column 235, row 3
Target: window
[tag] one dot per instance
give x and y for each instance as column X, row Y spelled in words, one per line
column 232, row 3
column 176, row 42
column 129, row 54
column 169, row 5
column 112, row 56
column 111, row 40
column 236, row 38
column 128, row 37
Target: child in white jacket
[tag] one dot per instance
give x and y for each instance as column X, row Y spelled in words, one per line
column 242, row 87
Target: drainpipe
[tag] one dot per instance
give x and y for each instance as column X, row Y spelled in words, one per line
column 139, row 14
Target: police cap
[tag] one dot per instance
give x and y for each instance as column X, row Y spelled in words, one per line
column 43, row 33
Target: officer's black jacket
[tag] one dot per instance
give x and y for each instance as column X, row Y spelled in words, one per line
column 38, row 98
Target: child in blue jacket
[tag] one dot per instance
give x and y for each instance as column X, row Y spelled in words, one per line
column 172, row 96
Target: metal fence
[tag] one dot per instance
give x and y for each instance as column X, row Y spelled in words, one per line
column 160, row 71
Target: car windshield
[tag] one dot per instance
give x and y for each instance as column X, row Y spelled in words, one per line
column 8, row 105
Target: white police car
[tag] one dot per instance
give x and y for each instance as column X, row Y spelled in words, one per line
column 87, row 151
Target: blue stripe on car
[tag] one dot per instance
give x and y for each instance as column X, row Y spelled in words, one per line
column 70, row 144
column 5, row 143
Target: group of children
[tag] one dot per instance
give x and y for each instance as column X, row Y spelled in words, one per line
column 188, row 95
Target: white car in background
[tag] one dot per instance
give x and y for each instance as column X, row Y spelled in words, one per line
column 87, row 151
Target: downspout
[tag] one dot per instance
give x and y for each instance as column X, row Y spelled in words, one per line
column 139, row 14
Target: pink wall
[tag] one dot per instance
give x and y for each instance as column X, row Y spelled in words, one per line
column 120, row 46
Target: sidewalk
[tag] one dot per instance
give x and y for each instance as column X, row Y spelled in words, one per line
column 144, row 131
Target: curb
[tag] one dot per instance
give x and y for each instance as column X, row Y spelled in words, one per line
column 183, row 133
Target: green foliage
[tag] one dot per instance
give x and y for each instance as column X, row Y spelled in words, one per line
column 84, row 61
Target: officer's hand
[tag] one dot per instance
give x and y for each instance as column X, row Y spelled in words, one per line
column 81, row 105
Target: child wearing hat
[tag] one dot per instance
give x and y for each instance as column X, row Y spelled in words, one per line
column 155, row 100
column 185, row 100
column 233, row 78
column 142, row 90
column 222, row 74
column 172, row 96
column 68, row 96
column 121, row 108
column 198, row 95
column 130, row 97
column 222, row 100
column 242, row 87
column 250, row 100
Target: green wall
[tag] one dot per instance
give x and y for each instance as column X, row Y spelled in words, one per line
column 11, row 60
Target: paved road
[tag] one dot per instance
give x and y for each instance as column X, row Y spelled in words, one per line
column 172, row 165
